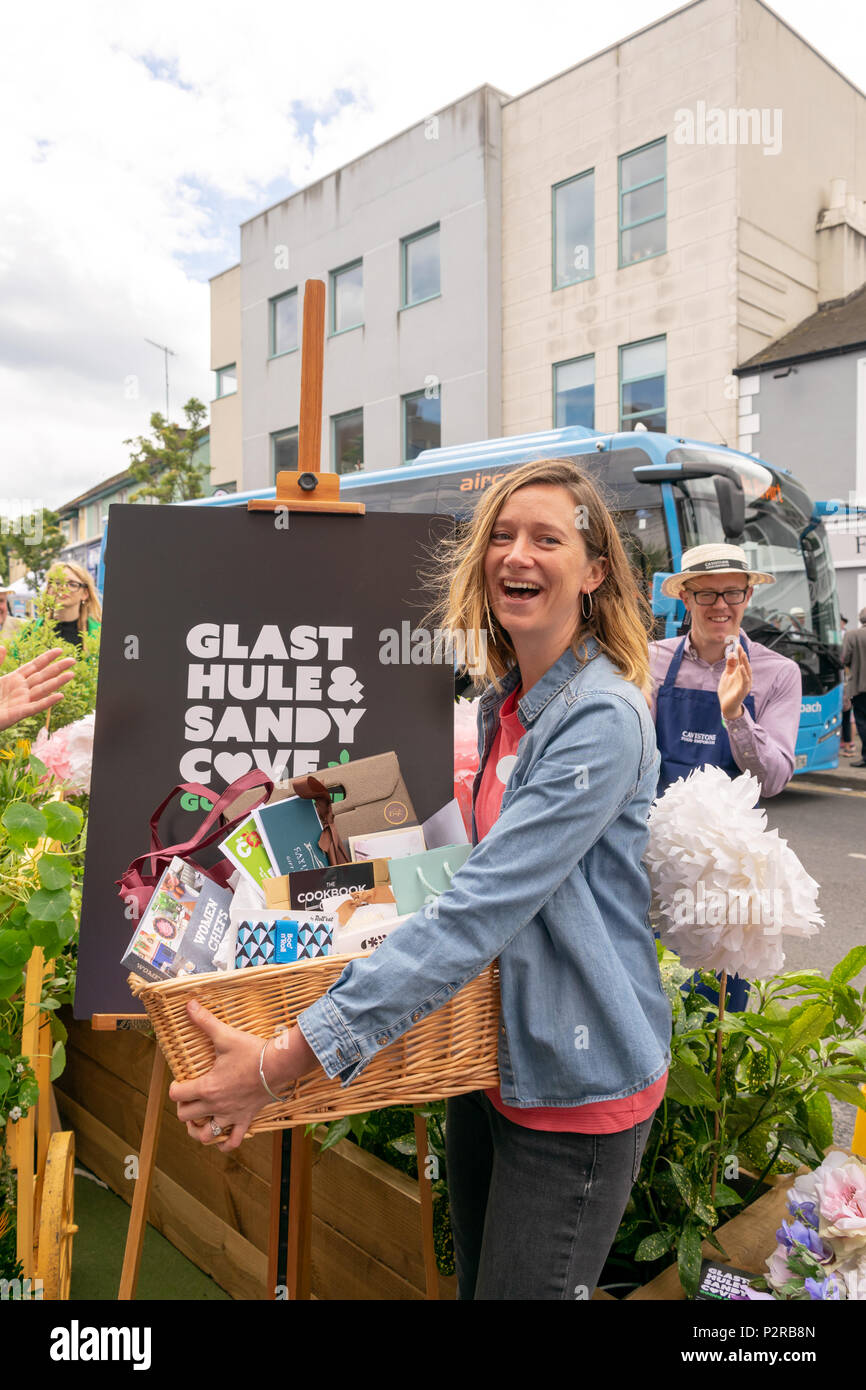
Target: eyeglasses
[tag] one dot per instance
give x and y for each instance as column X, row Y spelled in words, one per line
column 73, row 584
column 707, row 597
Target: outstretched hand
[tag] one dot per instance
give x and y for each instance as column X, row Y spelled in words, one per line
column 33, row 687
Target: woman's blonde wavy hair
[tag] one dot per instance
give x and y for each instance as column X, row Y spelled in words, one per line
column 621, row 617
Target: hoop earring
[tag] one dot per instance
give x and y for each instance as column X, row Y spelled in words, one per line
column 583, row 597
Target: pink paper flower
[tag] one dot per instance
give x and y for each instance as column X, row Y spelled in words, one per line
column 68, row 754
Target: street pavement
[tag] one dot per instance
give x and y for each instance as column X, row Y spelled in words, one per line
column 823, row 818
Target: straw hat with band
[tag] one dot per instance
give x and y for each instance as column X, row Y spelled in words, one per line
column 716, row 558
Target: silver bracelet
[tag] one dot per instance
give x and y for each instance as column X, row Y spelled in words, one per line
column 262, row 1074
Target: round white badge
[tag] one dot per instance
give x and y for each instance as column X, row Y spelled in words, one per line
column 504, row 766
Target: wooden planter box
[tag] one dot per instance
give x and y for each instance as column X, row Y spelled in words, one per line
column 215, row 1208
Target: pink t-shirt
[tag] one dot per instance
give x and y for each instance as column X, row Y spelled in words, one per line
column 600, row 1117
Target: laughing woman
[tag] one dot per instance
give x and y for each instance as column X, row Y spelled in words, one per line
column 539, row 1169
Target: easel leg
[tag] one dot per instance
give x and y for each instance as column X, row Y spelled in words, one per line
column 146, row 1162
column 425, row 1190
column 281, row 1167
column 300, row 1215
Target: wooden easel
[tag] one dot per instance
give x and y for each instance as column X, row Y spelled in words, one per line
column 289, row 1245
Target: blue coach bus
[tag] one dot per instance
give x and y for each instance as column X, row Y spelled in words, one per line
column 669, row 494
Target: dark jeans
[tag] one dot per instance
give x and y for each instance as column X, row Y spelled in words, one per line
column 534, row 1213
column 858, row 707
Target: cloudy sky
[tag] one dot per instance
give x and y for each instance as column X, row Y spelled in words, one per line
column 134, row 138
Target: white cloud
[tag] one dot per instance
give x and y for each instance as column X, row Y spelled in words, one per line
column 134, row 137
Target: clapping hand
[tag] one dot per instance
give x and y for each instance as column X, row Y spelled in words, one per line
column 34, row 687
column 735, row 684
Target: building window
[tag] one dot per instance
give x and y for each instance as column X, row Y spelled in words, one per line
column 284, row 451
column 574, row 230
column 421, row 267
column 642, row 385
column 347, row 297
column 226, row 380
column 642, row 230
column 347, row 441
column 284, row 323
column 574, row 393
column 422, row 424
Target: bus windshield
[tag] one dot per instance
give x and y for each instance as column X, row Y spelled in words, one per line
column 798, row 614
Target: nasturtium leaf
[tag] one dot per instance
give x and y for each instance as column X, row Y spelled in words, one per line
column 10, row 984
column 66, row 927
column 62, row 821
column 58, row 1060
column 54, row 871
column 48, row 906
column 44, row 934
column 24, row 822
column 15, row 949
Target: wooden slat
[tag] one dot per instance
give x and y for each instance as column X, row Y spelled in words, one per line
column 233, row 1193
column 343, row 1270
column 235, row 1264
column 370, row 1204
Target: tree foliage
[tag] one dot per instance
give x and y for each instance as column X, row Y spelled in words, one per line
column 165, row 466
column 35, row 539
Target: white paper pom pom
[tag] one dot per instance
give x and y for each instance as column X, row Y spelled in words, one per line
column 728, row 889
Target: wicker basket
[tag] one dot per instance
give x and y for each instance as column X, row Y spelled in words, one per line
column 449, row 1052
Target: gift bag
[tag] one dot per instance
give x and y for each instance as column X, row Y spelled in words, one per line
column 421, row 877
column 375, row 798
column 140, row 879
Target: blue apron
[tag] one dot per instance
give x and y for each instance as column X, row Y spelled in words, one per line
column 689, row 729
column 690, row 734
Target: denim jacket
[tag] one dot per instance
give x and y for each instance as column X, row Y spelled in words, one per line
column 556, row 890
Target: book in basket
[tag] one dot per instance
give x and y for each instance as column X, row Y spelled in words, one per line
column 182, row 927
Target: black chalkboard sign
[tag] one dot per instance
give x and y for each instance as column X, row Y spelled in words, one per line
column 233, row 640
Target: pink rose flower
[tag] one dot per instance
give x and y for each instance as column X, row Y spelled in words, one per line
column 841, row 1187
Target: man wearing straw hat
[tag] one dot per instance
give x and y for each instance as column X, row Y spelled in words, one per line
column 716, row 698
